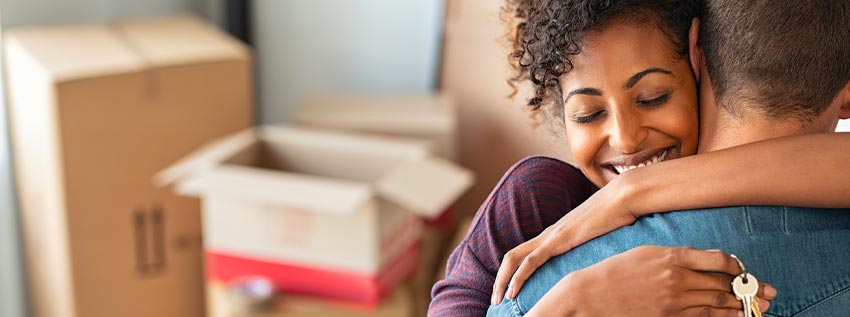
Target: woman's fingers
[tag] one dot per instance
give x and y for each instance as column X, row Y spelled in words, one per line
column 712, row 299
column 704, row 260
column 531, row 263
column 766, row 291
column 710, row 312
column 705, row 281
column 510, row 262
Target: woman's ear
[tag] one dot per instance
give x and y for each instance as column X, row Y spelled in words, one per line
column 844, row 112
column 694, row 48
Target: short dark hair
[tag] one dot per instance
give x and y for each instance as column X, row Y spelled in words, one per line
column 782, row 59
column 548, row 32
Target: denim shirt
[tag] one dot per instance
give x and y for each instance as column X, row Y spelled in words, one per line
column 803, row 252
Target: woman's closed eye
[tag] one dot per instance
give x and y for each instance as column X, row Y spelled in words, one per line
column 582, row 119
column 654, row 101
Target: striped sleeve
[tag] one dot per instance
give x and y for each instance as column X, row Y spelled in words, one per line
column 532, row 195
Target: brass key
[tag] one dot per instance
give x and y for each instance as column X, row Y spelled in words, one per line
column 756, row 309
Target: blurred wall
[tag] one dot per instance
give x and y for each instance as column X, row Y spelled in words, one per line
column 495, row 131
column 12, row 291
column 306, row 46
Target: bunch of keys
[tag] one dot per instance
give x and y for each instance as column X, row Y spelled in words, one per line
column 746, row 286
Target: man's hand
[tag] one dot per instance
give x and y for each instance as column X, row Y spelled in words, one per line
column 603, row 212
column 651, row 281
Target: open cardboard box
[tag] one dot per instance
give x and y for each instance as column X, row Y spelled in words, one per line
column 425, row 117
column 321, row 201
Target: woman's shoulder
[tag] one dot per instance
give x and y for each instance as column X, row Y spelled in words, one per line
column 533, row 194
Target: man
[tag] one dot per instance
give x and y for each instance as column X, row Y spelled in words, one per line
column 758, row 80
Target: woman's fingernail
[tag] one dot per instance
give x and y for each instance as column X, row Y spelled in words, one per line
column 740, row 314
column 764, row 305
column 493, row 299
column 770, row 292
column 510, row 291
column 715, row 250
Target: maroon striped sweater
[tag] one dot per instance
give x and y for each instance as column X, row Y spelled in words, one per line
column 532, row 195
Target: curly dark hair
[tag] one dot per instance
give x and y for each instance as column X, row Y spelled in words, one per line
column 545, row 33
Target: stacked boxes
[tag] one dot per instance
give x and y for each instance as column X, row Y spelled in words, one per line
column 96, row 110
column 428, row 118
column 317, row 212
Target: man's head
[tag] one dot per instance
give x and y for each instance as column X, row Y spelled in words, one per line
column 779, row 60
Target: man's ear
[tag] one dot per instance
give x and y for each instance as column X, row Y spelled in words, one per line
column 694, row 48
column 844, row 112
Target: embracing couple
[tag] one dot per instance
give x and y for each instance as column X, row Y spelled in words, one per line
column 645, row 227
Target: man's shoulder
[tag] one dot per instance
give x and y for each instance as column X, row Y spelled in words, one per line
column 752, row 219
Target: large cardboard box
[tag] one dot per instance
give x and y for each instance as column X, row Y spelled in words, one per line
column 302, row 199
column 96, row 110
column 425, row 117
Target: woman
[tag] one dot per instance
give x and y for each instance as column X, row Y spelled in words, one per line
column 626, row 86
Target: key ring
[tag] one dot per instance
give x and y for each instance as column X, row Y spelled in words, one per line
column 742, row 267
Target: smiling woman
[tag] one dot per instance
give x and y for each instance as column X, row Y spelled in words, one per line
column 629, row 104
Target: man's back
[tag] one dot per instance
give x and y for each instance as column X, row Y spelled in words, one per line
column 802, row 252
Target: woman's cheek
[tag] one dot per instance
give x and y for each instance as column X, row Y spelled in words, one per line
column 585, row 143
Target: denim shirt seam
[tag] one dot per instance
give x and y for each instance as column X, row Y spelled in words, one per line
column 517, row 311
column 811, row 306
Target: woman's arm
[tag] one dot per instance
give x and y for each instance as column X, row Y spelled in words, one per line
column 807, row 170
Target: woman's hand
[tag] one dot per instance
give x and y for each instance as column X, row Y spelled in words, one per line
column 651, row 281
column 603, row 212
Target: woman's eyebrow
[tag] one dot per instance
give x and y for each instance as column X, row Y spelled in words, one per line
column 583, row 91
column 637, row 77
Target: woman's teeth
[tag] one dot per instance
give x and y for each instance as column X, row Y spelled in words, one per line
column 653, row 160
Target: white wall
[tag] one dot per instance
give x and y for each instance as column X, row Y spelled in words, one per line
column 363, row 45
column 843, row 126
column 24, row 12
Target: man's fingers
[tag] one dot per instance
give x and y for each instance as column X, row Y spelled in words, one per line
column 530, row 264
column 701, row 260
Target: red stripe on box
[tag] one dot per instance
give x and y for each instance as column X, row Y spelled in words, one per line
column 444, row 220
column 362, row 289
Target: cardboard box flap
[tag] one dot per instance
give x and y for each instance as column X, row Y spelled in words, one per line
column 167, row 41
column 206, row 158
column 425, row 186
column 73, row 52
column 279, row 189
column 416, row 114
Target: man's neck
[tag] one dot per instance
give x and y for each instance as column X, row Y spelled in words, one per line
column 720, row 129
column 730, row 130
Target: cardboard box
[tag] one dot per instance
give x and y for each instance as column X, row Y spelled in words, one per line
column 425, row 117
column 317, row 199
column 398, row 304
column 96, row 110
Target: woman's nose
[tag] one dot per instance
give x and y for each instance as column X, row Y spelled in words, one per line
column 626, row 133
